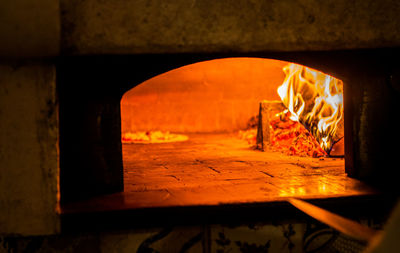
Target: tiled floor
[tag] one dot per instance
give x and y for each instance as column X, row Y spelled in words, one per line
column 212, row 169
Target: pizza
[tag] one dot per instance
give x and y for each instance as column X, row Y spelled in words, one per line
column 152, row 137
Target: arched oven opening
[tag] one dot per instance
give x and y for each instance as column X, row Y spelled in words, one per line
column 219, row 161
column 233, row 130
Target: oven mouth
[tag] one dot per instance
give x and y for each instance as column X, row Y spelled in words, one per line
column 193, row 136
column 92, row 165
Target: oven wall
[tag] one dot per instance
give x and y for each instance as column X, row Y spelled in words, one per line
column 29, row 29
column 132, row 27
column 213, row 96
column 30, row 37
column 28, row 149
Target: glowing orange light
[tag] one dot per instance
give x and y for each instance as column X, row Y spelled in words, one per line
column 315, row 100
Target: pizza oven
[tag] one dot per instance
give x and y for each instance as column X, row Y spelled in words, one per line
column 130, row 114
column 210, row 99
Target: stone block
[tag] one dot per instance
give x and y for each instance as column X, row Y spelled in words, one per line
column 129, row 27
column 29, row 28
column 28, row 150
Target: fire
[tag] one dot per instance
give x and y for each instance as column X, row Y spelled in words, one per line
column 292, row 138
column 315, row 100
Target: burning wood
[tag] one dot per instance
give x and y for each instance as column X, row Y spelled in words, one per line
column 250, row 132
column 312, row 123
column 293, row 138
column 250, row 135
column 278, row 132
column 152, row 137
column 267, row 110
column 316, row 101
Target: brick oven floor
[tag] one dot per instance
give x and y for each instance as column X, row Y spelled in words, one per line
column 212, row 169
column 220, row 173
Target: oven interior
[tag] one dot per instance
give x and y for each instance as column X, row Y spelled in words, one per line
column 189, row 135
column 214, row 167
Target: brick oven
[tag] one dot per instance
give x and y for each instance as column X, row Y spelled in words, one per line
column 60, row 114
column 97, row 163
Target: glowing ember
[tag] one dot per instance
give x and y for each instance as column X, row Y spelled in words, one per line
column 250, row 135
column 292, row 138
column 315, row 100
column 286, row 136
column 152, row 137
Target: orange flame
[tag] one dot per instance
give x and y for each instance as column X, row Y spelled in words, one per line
column 315, row 100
